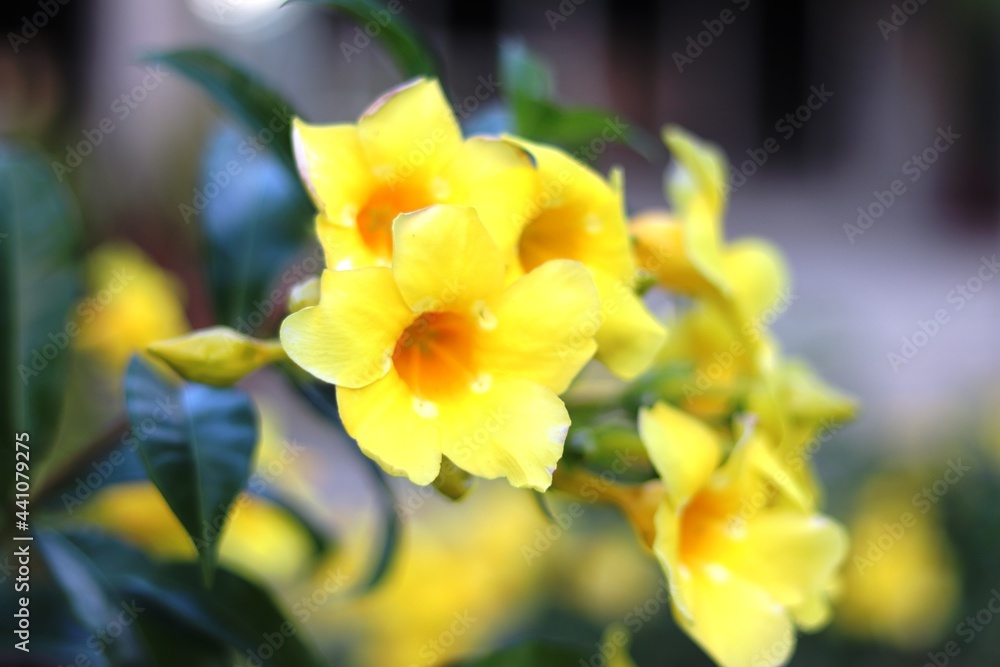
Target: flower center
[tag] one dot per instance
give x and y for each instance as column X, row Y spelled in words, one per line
column 435, row 355
column 376, row 216
column 709, row 519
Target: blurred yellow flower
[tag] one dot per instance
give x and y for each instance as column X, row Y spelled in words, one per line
column 436, row 356
column 740, row 580
column 260, row 539
column 459, row 583
column 900, row 586
column 406, row 153
column 580, row 216
column 131, row 303
column 686, row 251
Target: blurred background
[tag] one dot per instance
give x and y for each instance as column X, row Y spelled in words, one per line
column 865, row 142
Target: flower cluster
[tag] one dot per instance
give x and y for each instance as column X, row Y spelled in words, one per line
column 470, row 281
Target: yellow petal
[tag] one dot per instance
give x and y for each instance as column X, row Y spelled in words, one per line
column 383, row 417
column 666, row 546
column 445, row 258
column 498, row 179
column 349, row 338
column 544, row 323
column 343, row 246
column 683, row 450
column 630, row 336
column 793, row 556
column 333, row 167
column 577, row 215
column 736, row 622
column 514, row 429
column 814, row 614
column 660, row 250
column 217, row 356
column 699, row 174
column 410, row 133
column 758, row 278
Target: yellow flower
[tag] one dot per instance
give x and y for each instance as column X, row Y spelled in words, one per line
column 742, row 573
column 406, row 153
column 685, row 249
column 437, row 356
column 900, row 586
column 131, row 303
column 580, row 216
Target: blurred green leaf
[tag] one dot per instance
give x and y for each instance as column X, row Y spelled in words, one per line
column 169, row 643
column 412, row 56
column 90, row 598
column 259, row 108
column 39, row 283
column 528, row 86
column 253, row 227
column 534, row 653
column 323, row 399
column 611, row 447
column 198, row 449
column 234, row 612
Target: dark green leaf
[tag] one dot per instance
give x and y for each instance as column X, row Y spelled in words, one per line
column 260, row 109
column 529, row 89
column 253, row 227
column 324, row 400
column 412, row 56
column 611, row 447
column 169, row 644
column 234, row 612
column 93, row 603
column 198, row 447
column 534, row 653
column 38, row 286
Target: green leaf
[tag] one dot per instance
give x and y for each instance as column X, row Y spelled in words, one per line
column 610, row 447
column 235, row 612
column 39, row 284
column 260, row 109
column 534, row 653
column 529, row 88
column 198, row 449
column 412, row 56
column 89, row 596
column 253, row 228
column 324, row 400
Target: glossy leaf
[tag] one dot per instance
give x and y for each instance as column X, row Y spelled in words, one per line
column 412, row 56
column 39, row 283
column 264, row 112
column 253, row 228
column 198, row 449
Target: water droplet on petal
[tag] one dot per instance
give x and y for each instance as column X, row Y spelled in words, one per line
column 593, row 224
column 440, row 188
column 425, row 409
column 486, row 319
column 482, row 384
column 349, row 215
column 344, row 264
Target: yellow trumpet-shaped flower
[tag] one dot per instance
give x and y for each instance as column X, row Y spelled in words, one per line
column 406, row 153
column 437, row 356
column 685, row 248
column 579, row 215
column 742, row 573
column 131, row 303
